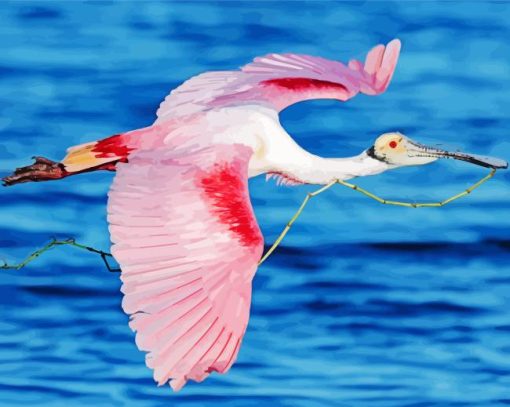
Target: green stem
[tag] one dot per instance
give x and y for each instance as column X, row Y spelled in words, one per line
column 55, row 242
column 104, row 255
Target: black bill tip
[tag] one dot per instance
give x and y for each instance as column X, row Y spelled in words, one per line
column 487, row 162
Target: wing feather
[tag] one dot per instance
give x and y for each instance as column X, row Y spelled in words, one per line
column 280, row 80
column 187, row 286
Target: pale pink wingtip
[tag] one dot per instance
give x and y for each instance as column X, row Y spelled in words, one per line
column 177, row 384
column 388, row 63
column 374, row 59
column 394, row 43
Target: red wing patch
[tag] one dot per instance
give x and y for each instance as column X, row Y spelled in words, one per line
column 228, row 196
column 304, row 84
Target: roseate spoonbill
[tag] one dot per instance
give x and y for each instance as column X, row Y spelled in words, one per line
column 181, row 222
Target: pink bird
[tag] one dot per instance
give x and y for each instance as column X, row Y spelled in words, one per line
column 181, row 222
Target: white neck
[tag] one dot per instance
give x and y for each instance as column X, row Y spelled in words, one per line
column 319, row 170
column 276, row 152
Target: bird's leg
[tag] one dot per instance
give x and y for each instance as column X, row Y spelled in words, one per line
column 308, row 196
column 418, row 205
column 44, row 169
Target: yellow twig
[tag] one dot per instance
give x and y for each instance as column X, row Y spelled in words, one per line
column 104, row 255
column 370, row 195
column 293, row 219
column 418, row 205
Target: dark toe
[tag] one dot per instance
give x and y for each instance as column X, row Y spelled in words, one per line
column 42, row 170
column 10, row 180
column 43, row 160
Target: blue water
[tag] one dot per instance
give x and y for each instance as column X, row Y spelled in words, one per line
column 363, row 305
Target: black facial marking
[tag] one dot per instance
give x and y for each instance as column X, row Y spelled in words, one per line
column 371, row 153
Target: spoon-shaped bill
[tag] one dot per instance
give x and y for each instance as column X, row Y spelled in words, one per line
column 488, row 162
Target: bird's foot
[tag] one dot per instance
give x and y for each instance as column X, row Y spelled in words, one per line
column 41, row 170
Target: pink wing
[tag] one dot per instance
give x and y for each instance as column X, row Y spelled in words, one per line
column 188, row 244
column 280, row 80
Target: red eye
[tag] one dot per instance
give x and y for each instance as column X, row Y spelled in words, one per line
column 393, row 144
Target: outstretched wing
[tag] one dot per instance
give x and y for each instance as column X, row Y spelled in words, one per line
column 185, row 236
column 280, row 80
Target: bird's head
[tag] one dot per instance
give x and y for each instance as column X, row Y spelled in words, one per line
column 398, row 150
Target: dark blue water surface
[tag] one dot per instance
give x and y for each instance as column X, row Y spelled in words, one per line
column 363, row 304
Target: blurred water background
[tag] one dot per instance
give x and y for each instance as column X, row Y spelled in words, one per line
column 363, row 304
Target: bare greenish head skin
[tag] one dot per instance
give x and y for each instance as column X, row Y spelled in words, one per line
column 398, row 150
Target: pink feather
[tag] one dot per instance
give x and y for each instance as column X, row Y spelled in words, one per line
column 280, row 80
column 182, row 226
column 187, row 288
